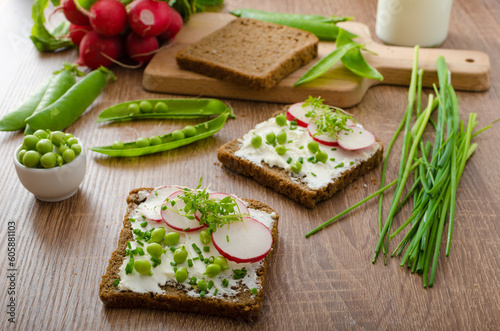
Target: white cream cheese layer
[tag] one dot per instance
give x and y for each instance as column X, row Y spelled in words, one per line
column 314, row 175
column 164, row 273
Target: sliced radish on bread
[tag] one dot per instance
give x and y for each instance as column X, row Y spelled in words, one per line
column 173, row 215
column 356, row 138
column 151, row 207
column 323, row 138
column 298, row 113
column 247, row 242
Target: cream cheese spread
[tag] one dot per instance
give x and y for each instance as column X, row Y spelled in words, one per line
column 164, row 273
column 314, row 175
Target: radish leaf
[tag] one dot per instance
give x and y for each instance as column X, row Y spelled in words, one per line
column 44, row 40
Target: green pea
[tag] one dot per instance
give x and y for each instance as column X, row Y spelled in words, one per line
column 58, row 138
column 71, row 141
column 205, row 237
column 180, row 255
column 60, row 159
column 61, row 149
column 69, row 135
column 77, row 149
column 172, row 238
column 143, row 267
column 142, row 142
column 213, row 270
column 30, row 142
column 157, row 235
column 256, row 141
column 181, row 275
column 134, row 109
column 222, row 262
column 178, row 135
column 41, row 134
column 155, row 140
column 202, row 285
column 189, row 131
column 44, row 146
column 68, row 155
column 281, row 150
column 281, row 137
column 48, row 160
column 161, row 107
column 20, row 155
column 118, row 145
column 146, row 106
column 321, row 156
column 154, row 250
column 281, row 120
column 270, row 137
column 31, row 159
column 296, row 166
column 313, row 146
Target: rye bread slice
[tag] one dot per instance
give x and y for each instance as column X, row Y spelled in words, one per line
column 242, row 306
column 280, row 181
column 249, row 52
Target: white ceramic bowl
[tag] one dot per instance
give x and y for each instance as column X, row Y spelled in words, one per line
column 54, row 184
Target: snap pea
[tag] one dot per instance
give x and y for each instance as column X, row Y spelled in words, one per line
column 15, row 119
column 71, row 105
column 203, row 130
column 322, row 27
column 62, row 82
column 175, row 108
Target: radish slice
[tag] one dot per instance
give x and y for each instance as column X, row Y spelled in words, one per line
column 298, row 113
column 177, row 221
column 248, row 243
column 358, row 138
column 220, row 196
column 151, row 207
column 323, row 138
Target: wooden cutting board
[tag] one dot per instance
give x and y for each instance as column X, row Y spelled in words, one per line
column 340, row 87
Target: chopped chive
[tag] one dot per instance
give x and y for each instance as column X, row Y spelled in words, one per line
column 334, row 149
column 193, row 281
column 129, row 245
column 195, row 258
column 290, row 141
column 206, row 249
column 205, row 261
column 156, row 261
column 301, row 159
column 130, row 266
column 289, row 160
column 301, row 147
column 190, row 263
column 340, row 165
column 254, row 290
column 131, row 219
column 227, row 238
column 211, row 259
column 201, row 257
column 225, row 282
column 332, row 159
column 173, row 264
column 216, row 291
column 116, row 282
column 156, row 192
column 210, row 284
column 140, row 251
column 143, row 224
column 312, row 173
column 196, row 248
column 310, row 159
column 172, row 249
column 139, row 242
column 294, row 123
column 175, row 269
column 186, row 229
column 143, row 217
column 351, row 163
column 202, row 294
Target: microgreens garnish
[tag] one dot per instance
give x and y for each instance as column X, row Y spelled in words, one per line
column 329, row 120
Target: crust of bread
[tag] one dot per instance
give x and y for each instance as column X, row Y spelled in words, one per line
column 250, row 52
column 242, row 306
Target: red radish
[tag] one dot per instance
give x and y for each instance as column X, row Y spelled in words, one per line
column 151, row 207
column 72, row 13
column 323, row 138
column 77, row 32
column 108, row 17
column 248, row 243
column 298, row 113
column 149, row 18
column 174, row 26
column 174, row 219
column 358, row 138
column 92, row 48
column 141, row 49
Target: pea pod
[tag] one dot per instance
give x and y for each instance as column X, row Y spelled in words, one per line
column 322, row 27
column 71, row 105
column 15, row 119
column 175, row 108
column 62, row 81
column 203, row 130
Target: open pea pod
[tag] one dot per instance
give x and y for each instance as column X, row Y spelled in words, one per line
column 163, row 109
column 203, row 130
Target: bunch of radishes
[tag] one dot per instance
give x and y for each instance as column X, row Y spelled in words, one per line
column 109, row 30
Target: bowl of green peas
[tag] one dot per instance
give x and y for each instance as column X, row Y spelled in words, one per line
column 51, row 165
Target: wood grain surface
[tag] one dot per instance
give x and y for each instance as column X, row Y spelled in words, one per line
column 322, row 283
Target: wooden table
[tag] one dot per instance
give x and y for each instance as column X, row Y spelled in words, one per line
column 325, row 282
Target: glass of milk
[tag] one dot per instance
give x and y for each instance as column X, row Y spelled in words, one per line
column 413, row 22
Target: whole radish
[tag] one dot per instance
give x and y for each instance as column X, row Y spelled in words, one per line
column 141, row 49
column 174, row 26
column 77, row 32
column 149, row 18
column 108, row 17
column 72, row 13
column 94, row 45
